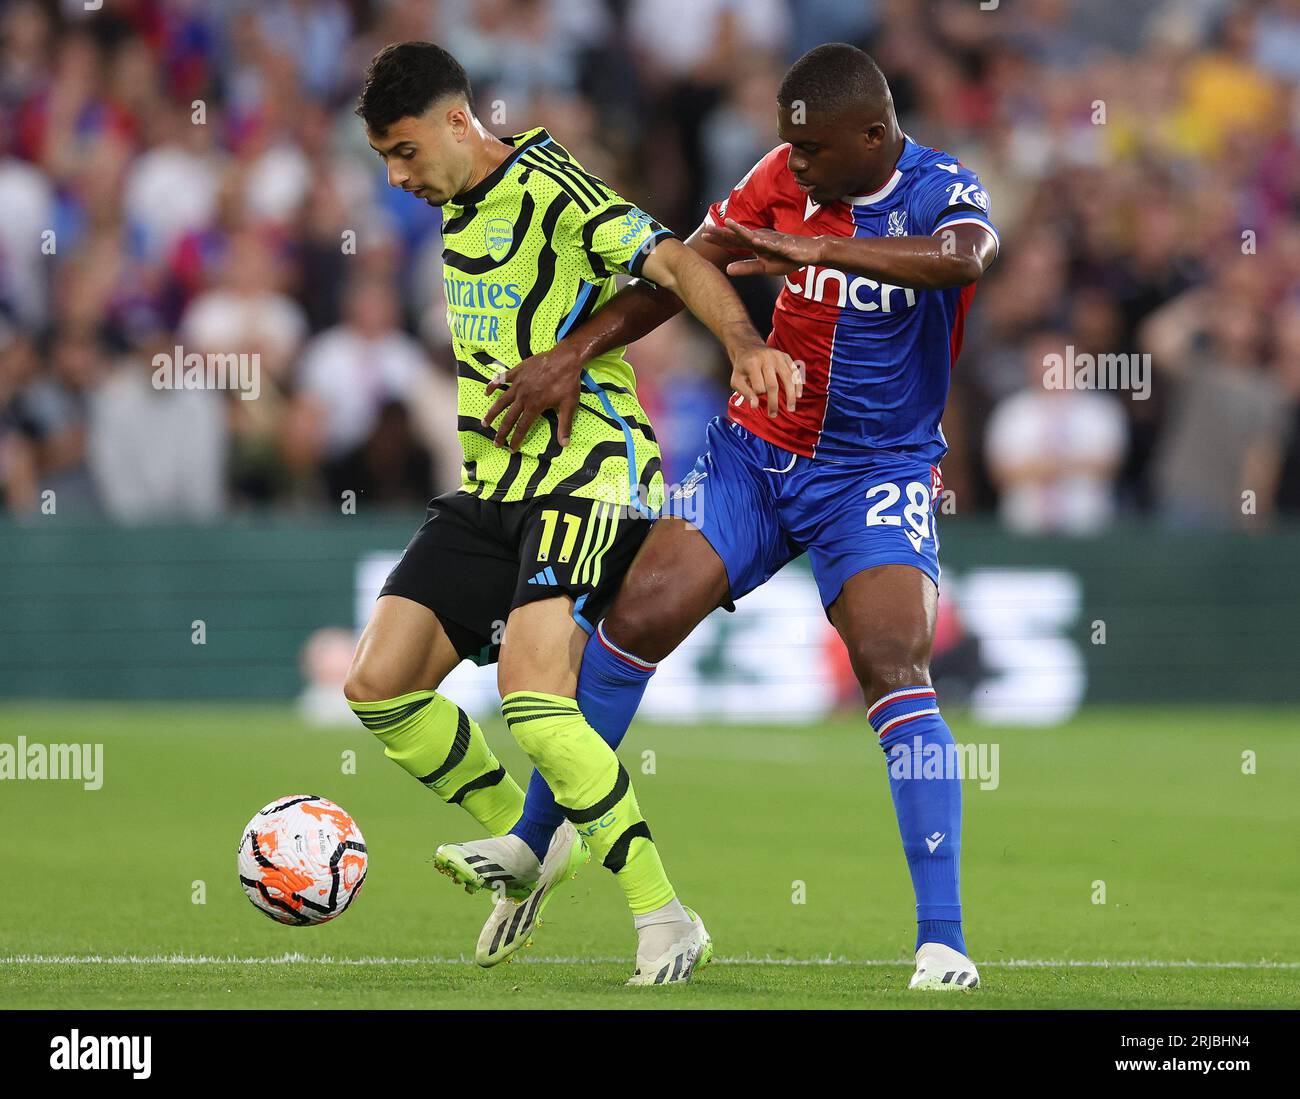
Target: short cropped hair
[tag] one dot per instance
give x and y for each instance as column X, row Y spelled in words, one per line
column 405, row 79
column 833, row 78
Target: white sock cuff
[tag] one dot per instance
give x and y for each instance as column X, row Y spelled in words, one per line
column 672, row 912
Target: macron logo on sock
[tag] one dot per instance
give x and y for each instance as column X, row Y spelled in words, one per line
column 933, row 840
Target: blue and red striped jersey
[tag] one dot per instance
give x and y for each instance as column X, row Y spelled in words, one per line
column 877, row 358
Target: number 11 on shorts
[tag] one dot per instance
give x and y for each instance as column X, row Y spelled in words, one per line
column 572, row 524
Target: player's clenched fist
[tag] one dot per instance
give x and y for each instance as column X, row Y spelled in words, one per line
column 763, row 373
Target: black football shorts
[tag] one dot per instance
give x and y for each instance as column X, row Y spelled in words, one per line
column 473, row 561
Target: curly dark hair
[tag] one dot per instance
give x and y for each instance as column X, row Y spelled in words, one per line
column 405, row 79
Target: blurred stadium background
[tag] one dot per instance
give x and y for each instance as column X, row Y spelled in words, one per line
column 175, row 172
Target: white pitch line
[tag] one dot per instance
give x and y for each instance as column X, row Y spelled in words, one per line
column 748, row 959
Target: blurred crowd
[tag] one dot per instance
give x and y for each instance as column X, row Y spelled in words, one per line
column 189, row 173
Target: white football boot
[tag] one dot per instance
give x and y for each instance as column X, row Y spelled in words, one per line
column 943, row 969
column 688, row 950
column 501, row 863
column 512, row 921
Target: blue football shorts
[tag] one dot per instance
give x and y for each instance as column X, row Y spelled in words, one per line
column 761, row 506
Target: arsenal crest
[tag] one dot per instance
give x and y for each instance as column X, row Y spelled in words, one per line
column 498, row 234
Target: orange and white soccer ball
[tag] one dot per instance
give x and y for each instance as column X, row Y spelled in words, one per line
column 302, row 860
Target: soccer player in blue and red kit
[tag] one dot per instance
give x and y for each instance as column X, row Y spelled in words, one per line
column 881, row 241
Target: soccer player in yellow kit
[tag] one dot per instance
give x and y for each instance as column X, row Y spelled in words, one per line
column 540, row 537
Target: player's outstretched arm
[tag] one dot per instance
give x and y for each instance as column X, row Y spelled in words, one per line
column 954, row 256
column 758, row 371
column 552, row 379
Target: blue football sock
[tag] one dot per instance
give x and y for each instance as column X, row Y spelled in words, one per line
column 925, row 782
column 610, row 685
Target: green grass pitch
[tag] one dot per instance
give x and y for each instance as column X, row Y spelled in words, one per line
column 1198, row 861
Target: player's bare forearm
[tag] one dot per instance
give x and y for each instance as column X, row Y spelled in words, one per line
column 923, row 263
column 705, row 292
column 758, row 371
column 551, row 379
column 635, row 311
column 954, row 256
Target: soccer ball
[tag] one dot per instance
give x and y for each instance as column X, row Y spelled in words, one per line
column 302, row 860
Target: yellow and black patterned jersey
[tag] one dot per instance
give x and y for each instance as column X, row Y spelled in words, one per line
column 530, row 252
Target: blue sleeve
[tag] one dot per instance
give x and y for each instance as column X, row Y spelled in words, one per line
column 951, row 194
